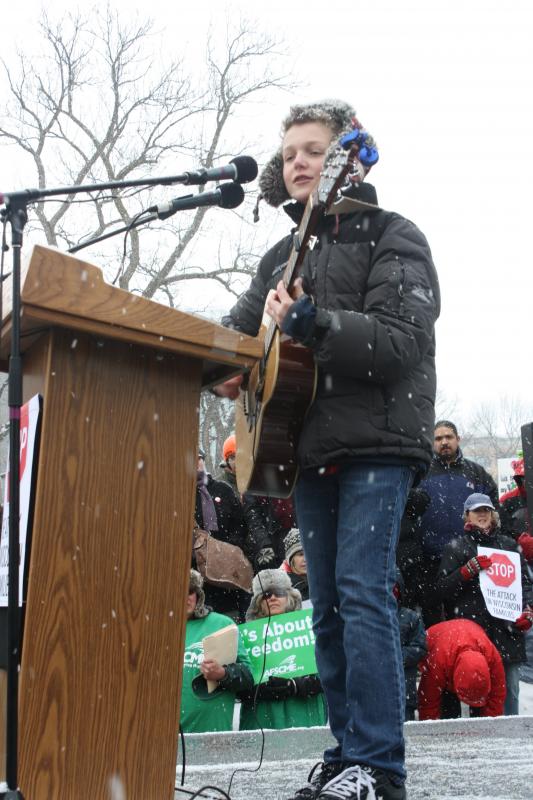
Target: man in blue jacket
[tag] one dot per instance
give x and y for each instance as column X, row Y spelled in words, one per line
column 450, row 480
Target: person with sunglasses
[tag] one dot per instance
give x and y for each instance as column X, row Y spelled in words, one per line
column 280, row 702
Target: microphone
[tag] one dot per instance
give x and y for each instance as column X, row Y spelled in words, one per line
column 241, row 169
column 228, row 195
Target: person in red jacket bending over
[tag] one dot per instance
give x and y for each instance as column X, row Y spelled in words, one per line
column 461, row 659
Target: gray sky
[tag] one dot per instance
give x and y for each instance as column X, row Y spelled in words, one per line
column 446, row 88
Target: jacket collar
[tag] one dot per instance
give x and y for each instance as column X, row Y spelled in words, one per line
column 363, row 192
column 459, row 459
column 481, row 537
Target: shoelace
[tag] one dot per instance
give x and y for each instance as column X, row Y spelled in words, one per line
column 352, row 778
column 308, row 792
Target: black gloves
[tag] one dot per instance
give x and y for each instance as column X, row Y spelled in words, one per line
column 277, row 689
column 282, row 688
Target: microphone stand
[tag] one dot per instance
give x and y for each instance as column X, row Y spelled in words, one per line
column 15, row 212
column 17, row 216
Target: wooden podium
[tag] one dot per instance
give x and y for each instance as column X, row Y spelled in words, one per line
column 120, row 378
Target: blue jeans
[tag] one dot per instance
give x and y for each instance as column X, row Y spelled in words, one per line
column 512, row 681
column 349, row 524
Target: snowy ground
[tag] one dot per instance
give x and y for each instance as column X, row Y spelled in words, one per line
column 479, row 759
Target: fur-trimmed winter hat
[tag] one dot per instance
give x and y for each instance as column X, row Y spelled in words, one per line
column 292, row 544
column 336, row 114
column 196, row 583
column 277, row 582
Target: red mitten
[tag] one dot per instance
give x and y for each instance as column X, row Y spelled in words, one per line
column 525, row 620
column 526, row 543
column 474, row 566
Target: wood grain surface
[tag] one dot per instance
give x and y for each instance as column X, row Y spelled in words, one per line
column 105, row 615
column 60, row 289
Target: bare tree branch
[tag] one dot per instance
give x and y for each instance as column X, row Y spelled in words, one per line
column 96, row 107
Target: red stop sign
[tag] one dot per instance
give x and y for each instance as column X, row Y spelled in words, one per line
column 502, row 571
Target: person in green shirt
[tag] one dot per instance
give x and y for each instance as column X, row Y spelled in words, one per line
column 280, row 702
column 200, row 710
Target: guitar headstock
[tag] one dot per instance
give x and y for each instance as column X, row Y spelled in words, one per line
column 345, row 165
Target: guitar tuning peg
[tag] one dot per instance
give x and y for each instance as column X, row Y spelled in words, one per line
column 351, row 138
column 368, row 156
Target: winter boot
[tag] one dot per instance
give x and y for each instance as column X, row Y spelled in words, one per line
column 317, row 779
column 362, row 783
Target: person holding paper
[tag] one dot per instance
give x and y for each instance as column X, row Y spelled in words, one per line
column 459, row 587
column 280, row 702
column 201, row 709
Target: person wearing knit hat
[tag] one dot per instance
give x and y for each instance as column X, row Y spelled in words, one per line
column 292, row 544
column 463, row 661
column 294, row 564
column 364, row 303
column 267, row 519
column 202, row 710
column 229, row 448
column 227, row 464
column 279, row 702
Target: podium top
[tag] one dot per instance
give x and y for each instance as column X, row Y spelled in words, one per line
column 58, row 289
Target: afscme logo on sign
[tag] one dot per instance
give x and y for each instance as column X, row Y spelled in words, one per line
column 502, row 571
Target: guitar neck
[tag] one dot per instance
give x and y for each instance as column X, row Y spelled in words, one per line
column 311, row 216
column 337, row 165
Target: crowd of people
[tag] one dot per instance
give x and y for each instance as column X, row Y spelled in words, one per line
column 453, row 650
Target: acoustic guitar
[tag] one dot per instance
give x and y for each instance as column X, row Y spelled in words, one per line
column 277, row 393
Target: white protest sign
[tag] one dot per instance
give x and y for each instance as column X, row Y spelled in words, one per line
column 501, row 584
column 29, row 417
column 505, row 475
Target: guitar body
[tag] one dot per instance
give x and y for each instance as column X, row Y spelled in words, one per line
column 269, row 418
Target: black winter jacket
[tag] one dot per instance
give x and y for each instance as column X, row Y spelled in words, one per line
column 231, row 529
column 230, row 516
column 448, row 485
column 409, row 548
column 413, row 638
column 268, row 521
column 414, row 648
column 377, row 297
column 463, row 599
